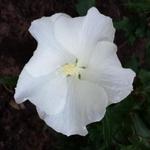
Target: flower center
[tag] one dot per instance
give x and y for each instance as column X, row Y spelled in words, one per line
column 70, row 69
column 73, row 69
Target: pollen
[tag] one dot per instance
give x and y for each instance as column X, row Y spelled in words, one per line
column 70, row 69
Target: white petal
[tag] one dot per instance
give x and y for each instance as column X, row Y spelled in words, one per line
column 49, row 54
column 47, row 92
column 44, row 62
column 43, row 30
column 67, row 32
column 50, row 120
column 79, row 35
column 117, row 82
column 97, row 27
column 104, row 56
column 105, row 69
column 86, row 103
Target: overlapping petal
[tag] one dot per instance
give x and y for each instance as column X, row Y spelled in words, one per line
column 47, row 92
column 49, row 54
column 43, row 31
column 79, row 35
column 104, row 55
column 44, row 62
column 86, row 103
column 105, row 69
column 117, row 82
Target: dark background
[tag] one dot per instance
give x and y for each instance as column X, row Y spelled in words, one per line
column 126, row 125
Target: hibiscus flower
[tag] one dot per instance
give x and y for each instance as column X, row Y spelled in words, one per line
column 74, row 73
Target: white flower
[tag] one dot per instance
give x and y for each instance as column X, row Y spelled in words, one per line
column 74, row 73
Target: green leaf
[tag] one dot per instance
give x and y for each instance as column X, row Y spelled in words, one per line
column 140, row 127
column 128, row 27
column 133, row 64
column 83, row 5
column 8, row 80
column 144, row 75
column 122, row 24
column 107, row 129
column 129, row 147
column 147, row 59
column 139, row 6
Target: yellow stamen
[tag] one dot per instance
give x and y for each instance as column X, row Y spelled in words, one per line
column 70, row 69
